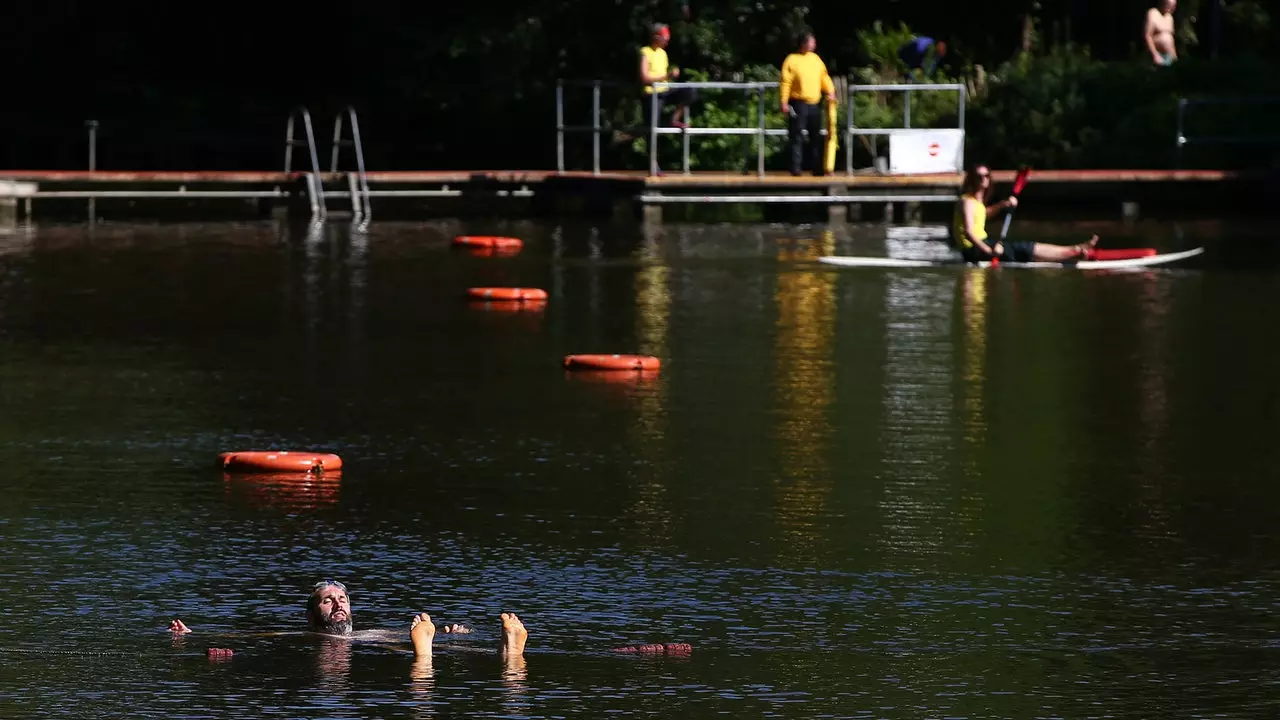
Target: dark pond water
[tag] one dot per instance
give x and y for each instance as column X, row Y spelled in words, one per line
column 857, row 493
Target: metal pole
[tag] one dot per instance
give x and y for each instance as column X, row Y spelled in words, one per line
column 560, row 126
column 907, row 114
column 93, row 166
column 337, row 143
column 595, row 127
column 684, row 138
column 760, row 133
column 962, row 133
column 1181, row 139
column 848, row 145
column 653, row 133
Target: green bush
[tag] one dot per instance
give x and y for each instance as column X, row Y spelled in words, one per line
column 1061, row 108
column 1066, row 109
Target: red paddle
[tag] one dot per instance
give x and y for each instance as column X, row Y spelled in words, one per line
column 1019, row 182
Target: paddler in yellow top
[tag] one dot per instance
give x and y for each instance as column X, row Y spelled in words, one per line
column 655, row 71
column 804, row 83
column 969, row 228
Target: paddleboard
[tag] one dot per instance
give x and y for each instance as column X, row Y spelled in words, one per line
column 1160, row 259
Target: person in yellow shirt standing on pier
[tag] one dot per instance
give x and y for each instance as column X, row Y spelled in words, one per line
column 655, row 72
column 804, row 83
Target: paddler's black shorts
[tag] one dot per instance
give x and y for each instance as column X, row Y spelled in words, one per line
column 1019, row 251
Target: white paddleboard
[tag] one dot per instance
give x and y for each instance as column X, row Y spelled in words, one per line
column 957, row 262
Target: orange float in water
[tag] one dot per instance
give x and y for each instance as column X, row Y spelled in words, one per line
column 488, row 242
column 279, row 461
column 508, row 294
column 611, row 362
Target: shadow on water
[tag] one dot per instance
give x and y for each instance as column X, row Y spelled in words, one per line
column 876, row 492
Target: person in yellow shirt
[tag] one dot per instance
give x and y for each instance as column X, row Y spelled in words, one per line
column 655, row 72
column 969, row 228
column 804, row 83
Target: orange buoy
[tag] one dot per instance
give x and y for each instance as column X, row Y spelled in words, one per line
column 611, row 362
column 488, row 241
column 279, row 461
column 510, row 294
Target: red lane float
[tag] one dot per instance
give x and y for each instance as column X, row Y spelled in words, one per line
column 656, row 649
column 1120, row 254
column 612, row 362
column 508, row 294
column 279, row 461
column 488, row 242
column 502, row 306
column 493, row 252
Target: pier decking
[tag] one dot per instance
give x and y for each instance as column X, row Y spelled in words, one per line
column 841, row 192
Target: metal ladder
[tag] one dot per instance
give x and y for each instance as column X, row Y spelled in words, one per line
column 315, row 186
column 358, row 184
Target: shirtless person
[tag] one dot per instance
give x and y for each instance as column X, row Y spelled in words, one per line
column 329, row 613
column 1159, row 33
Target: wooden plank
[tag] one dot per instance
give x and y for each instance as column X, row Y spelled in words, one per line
column 699, row 179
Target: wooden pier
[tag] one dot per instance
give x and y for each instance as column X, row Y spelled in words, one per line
column 1113, row 193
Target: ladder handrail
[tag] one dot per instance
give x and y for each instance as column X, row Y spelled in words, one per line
column 360, row 213
column 317, row 202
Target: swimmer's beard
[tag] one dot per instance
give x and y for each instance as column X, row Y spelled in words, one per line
column 341, row 627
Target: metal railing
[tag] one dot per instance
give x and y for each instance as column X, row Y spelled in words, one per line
column 760, row 131
column 852, row 130
column 1182, row 140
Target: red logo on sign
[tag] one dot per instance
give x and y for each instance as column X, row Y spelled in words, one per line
column 933, row 150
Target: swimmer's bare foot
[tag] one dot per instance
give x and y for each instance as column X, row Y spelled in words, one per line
column 1086, row 249
column 421, row 631
column 513, row 636
column 177, row 627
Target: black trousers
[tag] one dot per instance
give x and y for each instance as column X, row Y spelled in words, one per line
column 677, row 97
column 806, row 116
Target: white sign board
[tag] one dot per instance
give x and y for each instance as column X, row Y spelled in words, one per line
column 926, row 151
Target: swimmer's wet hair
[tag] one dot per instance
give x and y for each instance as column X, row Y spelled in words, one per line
column 313, row 600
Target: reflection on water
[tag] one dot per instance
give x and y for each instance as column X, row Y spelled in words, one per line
column 890, row 493
column 805, row 386
column 973, row 344
column 647, row 431
column 915, row 440
column 289, row 491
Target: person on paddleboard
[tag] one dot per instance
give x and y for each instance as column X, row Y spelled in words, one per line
column 969, row 228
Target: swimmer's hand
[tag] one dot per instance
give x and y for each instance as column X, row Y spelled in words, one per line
column 177, row 627
column 455, row 629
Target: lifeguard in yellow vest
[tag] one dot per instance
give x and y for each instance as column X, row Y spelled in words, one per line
column 655, row 72
column 804, row 83
column 969, row 228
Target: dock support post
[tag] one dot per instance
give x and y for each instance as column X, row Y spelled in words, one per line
column 913, row 212
column 92, row 126
column 837, row 214
column 10, row 192
column 652, row 213
column 888, row 213
column 855, row 212
column 1129, row 211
